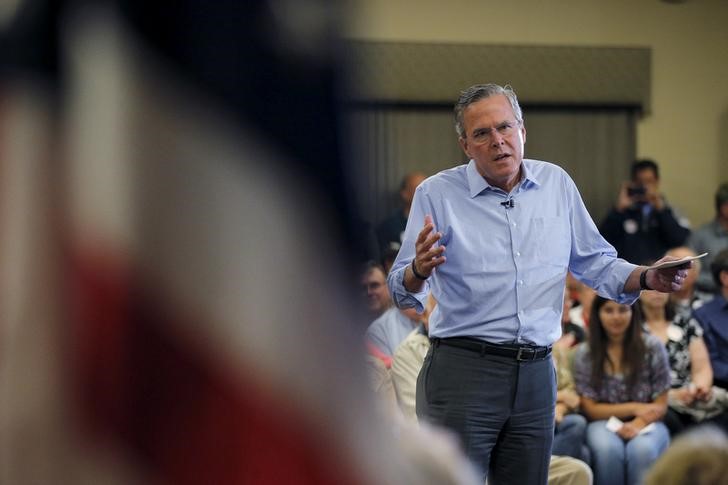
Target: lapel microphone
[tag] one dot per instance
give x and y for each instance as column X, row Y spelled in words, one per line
column 508, row 204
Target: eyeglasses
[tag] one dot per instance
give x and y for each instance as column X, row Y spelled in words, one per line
column 506, row 129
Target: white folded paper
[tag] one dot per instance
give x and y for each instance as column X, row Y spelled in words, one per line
column 677, row 262
column 614, row 424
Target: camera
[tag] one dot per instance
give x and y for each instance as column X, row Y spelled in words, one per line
column 636, row 191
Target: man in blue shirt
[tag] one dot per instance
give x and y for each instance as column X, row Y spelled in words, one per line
column 713, row 317
column 512, row 228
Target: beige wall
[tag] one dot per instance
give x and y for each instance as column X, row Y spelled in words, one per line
column 687, row 130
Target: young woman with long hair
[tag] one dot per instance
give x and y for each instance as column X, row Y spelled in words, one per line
column 622, row 373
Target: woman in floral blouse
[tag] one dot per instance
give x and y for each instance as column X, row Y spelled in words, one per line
column 692, row 398
column 622, row 373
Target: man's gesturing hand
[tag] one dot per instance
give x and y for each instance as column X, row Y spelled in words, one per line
column 428, row 257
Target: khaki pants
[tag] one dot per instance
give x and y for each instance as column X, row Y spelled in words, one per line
column 565, row 470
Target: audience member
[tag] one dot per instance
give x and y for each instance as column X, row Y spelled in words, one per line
column 712, row 238
column 691, row 398
column 407, row 362
column 688, row 298
column 388, row 258
column 390, row 230
column 389, row 330
column 713, row 317
column 366, row 247
column 380, row 381
column 571, row 333
column 698, row 457
column 572, row 288
column 565, row 470
column 623, row 377
column 642, row 226
column 570, row 427
column 406, row 365
column 579, row 315
column 374, row 284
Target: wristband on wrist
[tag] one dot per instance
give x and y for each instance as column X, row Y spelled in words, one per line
column 417, row 275
column 643, row 280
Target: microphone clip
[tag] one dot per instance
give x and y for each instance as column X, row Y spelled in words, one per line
column 508, row 204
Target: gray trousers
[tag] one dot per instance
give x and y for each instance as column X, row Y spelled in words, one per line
column 502, row 410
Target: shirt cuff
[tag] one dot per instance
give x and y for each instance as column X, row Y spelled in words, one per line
column 621, row 272
column 403, row 298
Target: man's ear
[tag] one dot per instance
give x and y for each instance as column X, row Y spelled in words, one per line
column 523, row 132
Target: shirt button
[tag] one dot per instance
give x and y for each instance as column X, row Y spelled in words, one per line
column 514, row 224
column 520, row 282
column 518, row 253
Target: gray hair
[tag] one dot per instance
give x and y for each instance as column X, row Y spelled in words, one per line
column 482, row 91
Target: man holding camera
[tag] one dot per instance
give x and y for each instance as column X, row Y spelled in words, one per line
column 642, row 227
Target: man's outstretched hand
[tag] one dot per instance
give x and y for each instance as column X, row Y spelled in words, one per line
column 668, row 280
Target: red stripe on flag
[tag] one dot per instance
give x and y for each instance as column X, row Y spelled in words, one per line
column 144, row 383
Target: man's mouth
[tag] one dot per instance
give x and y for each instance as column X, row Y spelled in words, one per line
column 501, row 156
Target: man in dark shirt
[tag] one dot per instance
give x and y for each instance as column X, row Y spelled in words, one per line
column 641, row 226
column 713, row 317
column 389, row 231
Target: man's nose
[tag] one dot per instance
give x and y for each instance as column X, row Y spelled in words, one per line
column 496, row 139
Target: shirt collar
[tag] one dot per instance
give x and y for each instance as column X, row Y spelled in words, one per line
column 477, row 183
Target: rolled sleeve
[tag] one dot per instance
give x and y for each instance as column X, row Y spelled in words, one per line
column 403, row 298
column 614, row 285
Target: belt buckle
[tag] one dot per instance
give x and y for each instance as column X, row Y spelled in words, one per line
column 521, row 350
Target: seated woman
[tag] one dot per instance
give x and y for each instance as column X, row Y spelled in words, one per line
column 691, row 399
column 621, row 373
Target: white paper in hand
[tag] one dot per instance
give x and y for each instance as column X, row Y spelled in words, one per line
column 677, row 262
column 614, row 424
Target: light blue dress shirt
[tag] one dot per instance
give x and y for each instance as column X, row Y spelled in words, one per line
column 505, row 273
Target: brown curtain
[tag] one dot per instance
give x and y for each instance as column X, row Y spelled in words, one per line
column 595, row 146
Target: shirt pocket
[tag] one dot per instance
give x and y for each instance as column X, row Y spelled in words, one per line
column 552, row 238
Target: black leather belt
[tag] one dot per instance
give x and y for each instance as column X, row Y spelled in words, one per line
column 520, row 353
